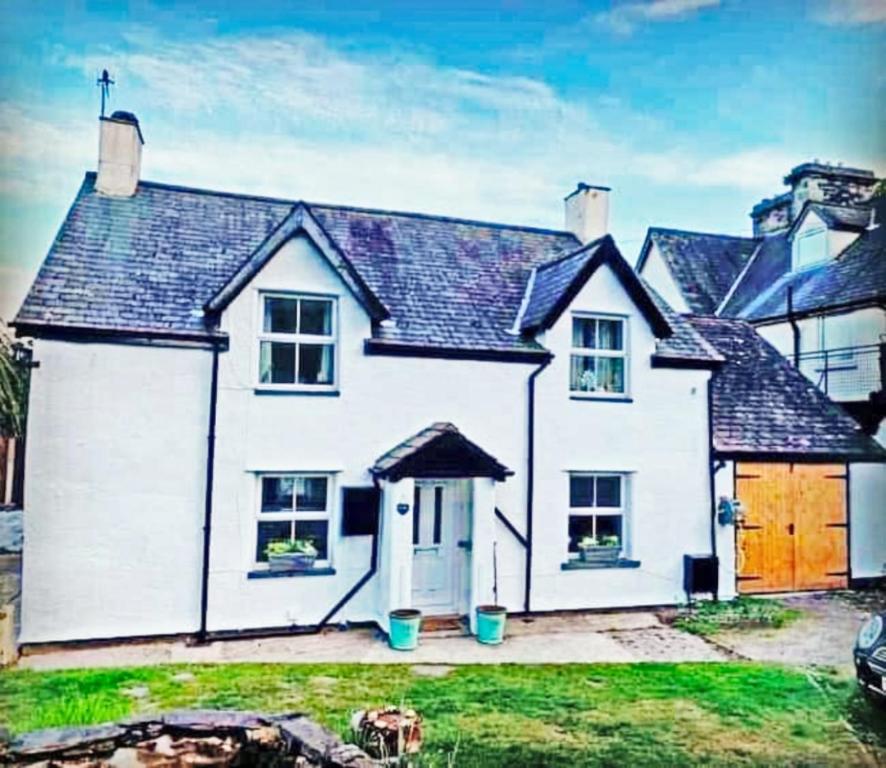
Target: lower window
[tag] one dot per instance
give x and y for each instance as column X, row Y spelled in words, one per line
column 293, row 519
column 596, row 513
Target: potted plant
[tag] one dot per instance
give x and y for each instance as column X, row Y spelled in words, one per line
column 291, row 555
column 491, row 619
column 599, row 550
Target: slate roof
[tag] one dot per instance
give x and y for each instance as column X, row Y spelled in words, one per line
column 704, row 266
column 551, row 281
column 442, row 447
column 856, row 276
column 151, row 263
column 685, row 343
column 770, row 261
column 763, row 406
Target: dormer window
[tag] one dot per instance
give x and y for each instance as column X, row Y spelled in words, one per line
column 297, row 342
column 811, row 247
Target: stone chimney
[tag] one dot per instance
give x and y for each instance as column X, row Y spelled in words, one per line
column 587, row 212
column 119, row 154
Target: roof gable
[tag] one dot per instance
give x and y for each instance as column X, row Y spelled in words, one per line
column 299, row 221
column 439, row 450
column 704, row 266
column 557, row 283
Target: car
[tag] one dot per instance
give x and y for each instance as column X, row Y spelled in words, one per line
column 870, row 657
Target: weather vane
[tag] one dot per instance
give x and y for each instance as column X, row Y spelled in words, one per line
column 105, row 83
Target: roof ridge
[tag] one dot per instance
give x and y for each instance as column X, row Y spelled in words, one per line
column 652, row 230
column 571, row 254
column 341, row 207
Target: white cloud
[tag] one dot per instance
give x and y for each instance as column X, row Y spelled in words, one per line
column 851, row 12
column 624, row 18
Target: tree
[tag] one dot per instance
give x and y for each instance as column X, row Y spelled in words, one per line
column 13, row 388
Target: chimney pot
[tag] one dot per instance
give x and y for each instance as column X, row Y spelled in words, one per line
column 587, row 212
column 119, row 154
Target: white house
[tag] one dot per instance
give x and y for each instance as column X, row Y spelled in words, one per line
column 812, row 280
column 428, row 400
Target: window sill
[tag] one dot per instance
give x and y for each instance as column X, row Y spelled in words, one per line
column 304, row 392
column 602, row 398
column 268, row 574
column 578, row 565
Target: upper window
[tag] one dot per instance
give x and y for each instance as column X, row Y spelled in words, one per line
column 599, row 355
column 297, row 341
column 596, row 511
column 294, row 509
column 811, row 247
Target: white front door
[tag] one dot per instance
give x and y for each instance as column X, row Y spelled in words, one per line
column 435, row 528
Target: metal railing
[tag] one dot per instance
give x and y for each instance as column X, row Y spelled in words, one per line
column 846, row 373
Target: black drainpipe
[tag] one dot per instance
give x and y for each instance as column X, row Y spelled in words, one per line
column 530, row 481
column 373, row 565
column 207, row 511
column 712, row 471
column 795, row 329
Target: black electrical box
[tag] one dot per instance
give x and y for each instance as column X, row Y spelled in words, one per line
column 359, row 511
column 700, row 574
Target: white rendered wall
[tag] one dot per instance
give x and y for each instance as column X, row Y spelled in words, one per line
column 860, row 328
column 867, row 505
column 657, row 274
column 661, row 438
column 382, row 401
column 115, row 478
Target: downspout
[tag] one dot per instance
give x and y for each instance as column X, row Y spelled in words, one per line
column 530, row 481
column 207, row 511
column 795, row 329
column 712, row 472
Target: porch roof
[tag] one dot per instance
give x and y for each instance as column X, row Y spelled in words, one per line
column 439, row 450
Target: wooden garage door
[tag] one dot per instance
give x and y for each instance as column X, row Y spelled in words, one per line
column 794, row 532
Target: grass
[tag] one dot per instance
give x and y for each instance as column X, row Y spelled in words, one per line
column 709, row 618
column 645, row 714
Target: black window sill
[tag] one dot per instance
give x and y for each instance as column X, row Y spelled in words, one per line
column 598, row 399
column 578, row 565
column 269, row 574
column 297, row 392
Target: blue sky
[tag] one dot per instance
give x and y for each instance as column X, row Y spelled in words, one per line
column 691, row 110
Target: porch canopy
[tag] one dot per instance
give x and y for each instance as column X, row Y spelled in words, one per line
column 438, row 451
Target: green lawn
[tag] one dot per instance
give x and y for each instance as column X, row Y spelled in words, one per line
column 641, row 714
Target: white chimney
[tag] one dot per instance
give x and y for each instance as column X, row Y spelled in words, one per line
column 119, row 154
column 587, row 212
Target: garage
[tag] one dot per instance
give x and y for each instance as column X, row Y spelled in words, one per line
column 793, row 534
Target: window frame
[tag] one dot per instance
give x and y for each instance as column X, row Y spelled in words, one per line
column 296, row 339
column 623, row 354
column 596, row 511
column 808, row 235
column 294, row 515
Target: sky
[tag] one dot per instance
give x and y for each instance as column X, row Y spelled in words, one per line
column 690, row 110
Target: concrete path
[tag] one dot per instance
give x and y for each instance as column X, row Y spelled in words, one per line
column 612, row 637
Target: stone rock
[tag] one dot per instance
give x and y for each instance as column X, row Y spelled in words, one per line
column 54, row 741
column 309, row 738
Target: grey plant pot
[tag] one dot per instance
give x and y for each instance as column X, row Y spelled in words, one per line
column 291, row 561
column 600, row 555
